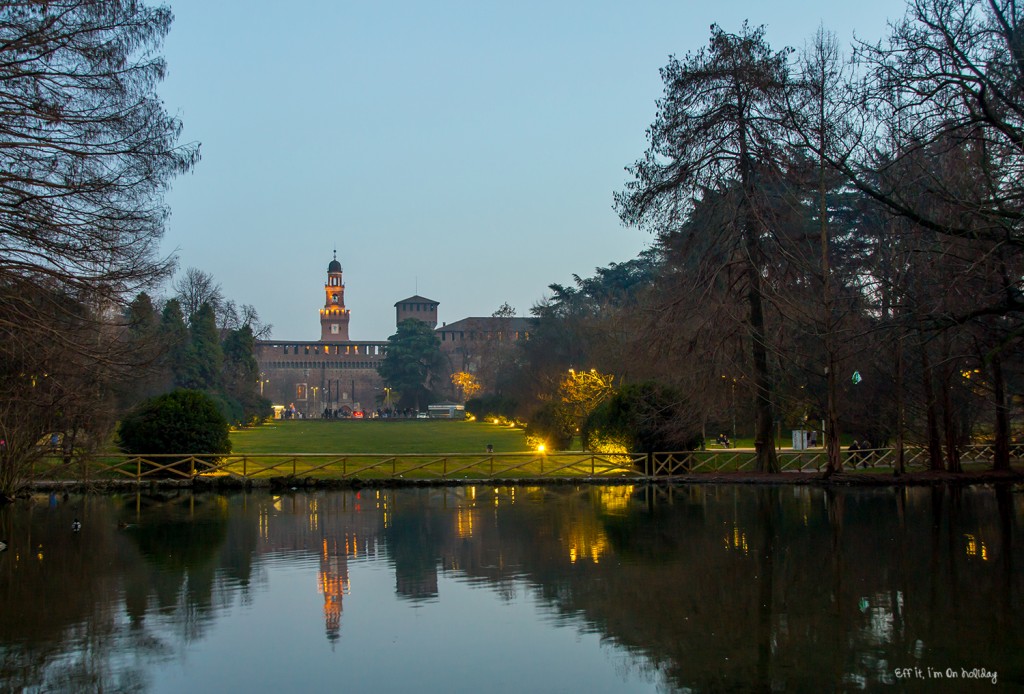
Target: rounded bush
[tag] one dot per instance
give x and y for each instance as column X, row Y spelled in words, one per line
column 182, row 421
column 646, row 417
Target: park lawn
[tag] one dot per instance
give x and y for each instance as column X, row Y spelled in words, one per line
column 411, row 449
column 376, row 436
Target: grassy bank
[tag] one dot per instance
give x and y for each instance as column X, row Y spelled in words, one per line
column 377, row 436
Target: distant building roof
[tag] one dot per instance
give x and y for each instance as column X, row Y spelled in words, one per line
column 416, row 300
column 489, row 323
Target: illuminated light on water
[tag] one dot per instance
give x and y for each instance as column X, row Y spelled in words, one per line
column 588, row 543
column 975, row 548
column 615, row 499
column 738, row 541
column 464, row 523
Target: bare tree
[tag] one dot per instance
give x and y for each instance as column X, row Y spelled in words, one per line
column 718, row 125
column 819, row 119
column 195, row 288
column 86, row 153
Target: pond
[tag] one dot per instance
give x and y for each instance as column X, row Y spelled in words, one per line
column 516, row 589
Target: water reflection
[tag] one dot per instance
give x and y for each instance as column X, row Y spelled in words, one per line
column 701, row 588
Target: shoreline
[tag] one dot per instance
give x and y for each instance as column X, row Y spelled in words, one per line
column 818, row 479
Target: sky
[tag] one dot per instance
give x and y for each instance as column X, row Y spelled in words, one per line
column 466, row 151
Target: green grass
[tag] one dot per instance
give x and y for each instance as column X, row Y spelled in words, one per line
column 377, row 436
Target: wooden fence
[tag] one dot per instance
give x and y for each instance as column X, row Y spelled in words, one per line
column 465, row 466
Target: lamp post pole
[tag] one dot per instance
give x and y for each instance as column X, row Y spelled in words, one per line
column 733, row 408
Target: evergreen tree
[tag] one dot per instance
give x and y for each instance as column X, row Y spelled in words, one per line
column 174, row 343
column 413, row 362
column 142, row 327
column 241, row 375
column 203, row 359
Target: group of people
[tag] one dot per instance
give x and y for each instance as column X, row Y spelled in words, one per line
column 379, row 413
column 860, row 453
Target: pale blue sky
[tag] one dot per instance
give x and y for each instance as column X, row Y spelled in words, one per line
column 465, row 151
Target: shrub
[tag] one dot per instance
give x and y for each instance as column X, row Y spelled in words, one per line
column 488, row 407
column 182, row 421
column 646, row 417
column 548, row 428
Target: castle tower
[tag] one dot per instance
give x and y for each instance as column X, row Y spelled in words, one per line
column 417, row 307
column 334, row 316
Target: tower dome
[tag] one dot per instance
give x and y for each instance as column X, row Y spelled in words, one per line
column 334, row 266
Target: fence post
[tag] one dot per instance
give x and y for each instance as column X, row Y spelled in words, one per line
column 295, row 462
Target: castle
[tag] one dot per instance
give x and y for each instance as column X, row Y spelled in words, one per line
column 339, row 374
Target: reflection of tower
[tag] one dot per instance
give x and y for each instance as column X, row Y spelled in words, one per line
column 333, row 584
column 334, row 316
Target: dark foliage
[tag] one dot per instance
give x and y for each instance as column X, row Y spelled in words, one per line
column 491, row 406
column 644, row 417
column 182, row 421
column 547, row 426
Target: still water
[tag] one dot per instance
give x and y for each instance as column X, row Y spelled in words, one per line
column 516, row 589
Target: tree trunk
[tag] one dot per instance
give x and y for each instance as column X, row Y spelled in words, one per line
column 1001, row 459
column 934, row 441
column 764, row 434
column 949, row 425
column 901, row 466
column 831, row 433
